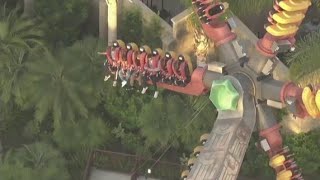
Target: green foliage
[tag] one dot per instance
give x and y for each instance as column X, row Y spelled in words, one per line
column 132, row 142
column 133, row 29
column 64, row 84
column 131, row 26
column 34, row 161
column 13, row 70
column 17, row 31
column 256, row 163
column 85, row 134
column 305, row 59
column 13, row 120
column 77, row 161
column 152, row 33
column 201, row 121
column 161, row 119
column 245, row 8
column 64, row 18
column 124, row 106
column 306, row 148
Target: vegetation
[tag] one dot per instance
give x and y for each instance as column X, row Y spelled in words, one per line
column 305, row 61
column 132, row 28
column 35, row 161
column 64, row 20
column 55, row 107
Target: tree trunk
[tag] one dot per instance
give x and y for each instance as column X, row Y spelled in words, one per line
column 102, row 20
column 112, row 20
column 28, row 7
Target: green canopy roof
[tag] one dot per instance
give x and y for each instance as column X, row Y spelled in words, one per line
column 223, row 95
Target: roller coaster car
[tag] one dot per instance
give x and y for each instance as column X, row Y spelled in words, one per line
column 195, row 87
column 213, row 11
column 204, row 138
column 184, row 175
column 295, row 5
column 202, row 4
column 286, row 17
column 311, row 101
column 197, row 150
column 282, row 29
column 132, row 50
column 284, row 175
column 182, row 69
column 277, row 161
column 167, row 73
column 191, row 162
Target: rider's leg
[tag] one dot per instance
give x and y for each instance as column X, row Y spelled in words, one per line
column 144, row 83
column 154, row 80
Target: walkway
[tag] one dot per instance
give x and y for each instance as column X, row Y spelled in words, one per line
column 97, row 174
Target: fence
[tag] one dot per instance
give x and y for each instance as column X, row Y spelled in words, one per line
column 127, row 163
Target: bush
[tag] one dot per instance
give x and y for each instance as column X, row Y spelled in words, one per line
column 88, row 133
column 131, row 26
column 132, row 29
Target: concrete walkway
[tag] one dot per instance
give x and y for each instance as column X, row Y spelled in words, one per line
column 97, row 174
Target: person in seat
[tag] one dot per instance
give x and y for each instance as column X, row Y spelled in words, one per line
column 127, row 67
column 167, row 74
column 139, row 60
column 152, row 71
column 112, row 63
column 182, row 69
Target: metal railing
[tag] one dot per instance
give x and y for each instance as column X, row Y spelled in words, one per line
column 131, row 164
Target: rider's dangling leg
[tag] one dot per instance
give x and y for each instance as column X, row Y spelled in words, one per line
column 144, row 82
column 107, row 72
column 123, row 75
column 127, row 77
column 154, row 80
column 116, row 76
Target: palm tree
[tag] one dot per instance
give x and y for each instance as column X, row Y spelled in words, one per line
column 304, row 62
column 12, row 72
column 86, row 134
column 34, row 161
column 17, row 31
column 65, row 85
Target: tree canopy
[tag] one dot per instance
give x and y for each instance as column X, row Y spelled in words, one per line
column 85, row 134
column 35, row 161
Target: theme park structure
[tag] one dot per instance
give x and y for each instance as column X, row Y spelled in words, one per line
column 241, row 87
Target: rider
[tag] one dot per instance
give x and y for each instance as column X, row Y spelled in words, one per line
column 128, row 66
column 152, row 70
column 139, row 60
column 112, row 59
column 166, row 67
column 182, row 70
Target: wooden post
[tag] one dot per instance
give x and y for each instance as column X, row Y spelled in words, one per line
column 102, row 20
column 112, row 20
